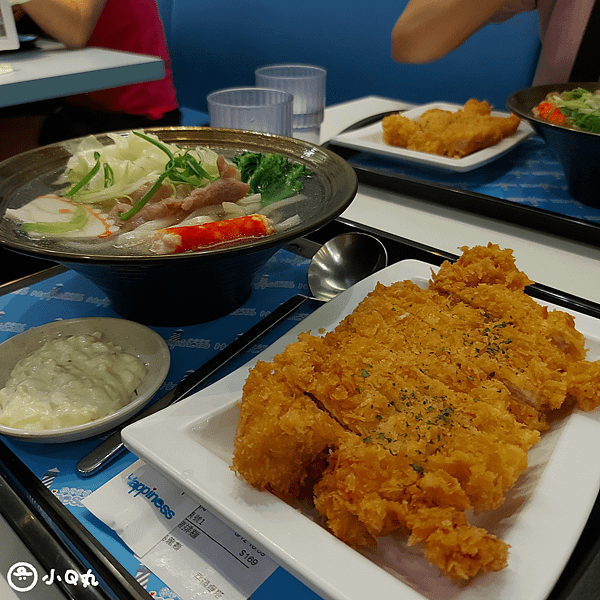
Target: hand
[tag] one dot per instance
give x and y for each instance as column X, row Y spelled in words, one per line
column 68, row 21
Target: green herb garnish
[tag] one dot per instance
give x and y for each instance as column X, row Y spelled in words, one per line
column 86, row 178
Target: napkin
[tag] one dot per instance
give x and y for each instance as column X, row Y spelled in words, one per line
column 140, row 505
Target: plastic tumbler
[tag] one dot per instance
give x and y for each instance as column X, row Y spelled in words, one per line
column 307, row 84
column 251, row 108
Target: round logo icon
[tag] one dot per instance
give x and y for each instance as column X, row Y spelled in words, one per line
column 22, row 577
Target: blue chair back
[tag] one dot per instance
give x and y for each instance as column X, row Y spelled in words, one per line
column 215, row 45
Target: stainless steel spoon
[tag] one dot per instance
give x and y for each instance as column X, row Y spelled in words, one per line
column 344, row 261
column 338, row 264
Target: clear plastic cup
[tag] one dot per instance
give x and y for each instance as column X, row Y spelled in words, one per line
column 253, row 109
column 307, row 84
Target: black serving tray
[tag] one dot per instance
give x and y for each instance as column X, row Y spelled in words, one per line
column 399, row 248
column 381, row 174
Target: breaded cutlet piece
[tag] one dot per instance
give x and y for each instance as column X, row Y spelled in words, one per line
column 470, row 349
column 492, row 330
column 447, row 133
column 281, row 431
column 409, row 414
column 501, row 297
column 403, row 448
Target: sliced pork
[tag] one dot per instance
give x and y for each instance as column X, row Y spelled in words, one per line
column 178, row 202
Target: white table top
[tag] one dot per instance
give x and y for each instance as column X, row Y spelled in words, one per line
column 50, row 71
column 547, row 259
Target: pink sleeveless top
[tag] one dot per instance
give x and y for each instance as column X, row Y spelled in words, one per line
column 132, row 26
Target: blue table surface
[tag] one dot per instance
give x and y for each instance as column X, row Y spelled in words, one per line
column 528, row 175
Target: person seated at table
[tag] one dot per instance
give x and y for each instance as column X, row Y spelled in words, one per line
column 427, row 30
column 126, row 25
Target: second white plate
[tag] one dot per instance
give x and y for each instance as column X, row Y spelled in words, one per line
column 542, row 517
column 370, row 139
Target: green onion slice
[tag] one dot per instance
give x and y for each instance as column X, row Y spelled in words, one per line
column 86, row 178
column 109, row 175
column 144, row 199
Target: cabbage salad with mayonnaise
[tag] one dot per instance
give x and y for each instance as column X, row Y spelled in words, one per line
column 138, row 191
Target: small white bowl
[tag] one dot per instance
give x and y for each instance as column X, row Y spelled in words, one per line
column 131, row 337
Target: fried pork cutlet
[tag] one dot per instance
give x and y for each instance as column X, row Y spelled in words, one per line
column 447, row 133
column 421, row 405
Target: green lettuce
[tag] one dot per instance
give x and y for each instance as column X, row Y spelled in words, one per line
column 271, row 175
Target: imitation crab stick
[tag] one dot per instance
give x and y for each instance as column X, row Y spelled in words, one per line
column 193, row 237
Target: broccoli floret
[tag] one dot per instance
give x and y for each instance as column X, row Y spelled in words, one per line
column 271, row 175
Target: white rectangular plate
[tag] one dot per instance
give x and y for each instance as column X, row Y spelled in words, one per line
column 370, row 139
column 542, row 517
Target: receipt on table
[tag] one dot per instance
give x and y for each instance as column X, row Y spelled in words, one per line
column 203, row 557
column 181, row 542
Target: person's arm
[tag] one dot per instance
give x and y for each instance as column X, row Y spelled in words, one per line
column 429, row 29
column 68, row 21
